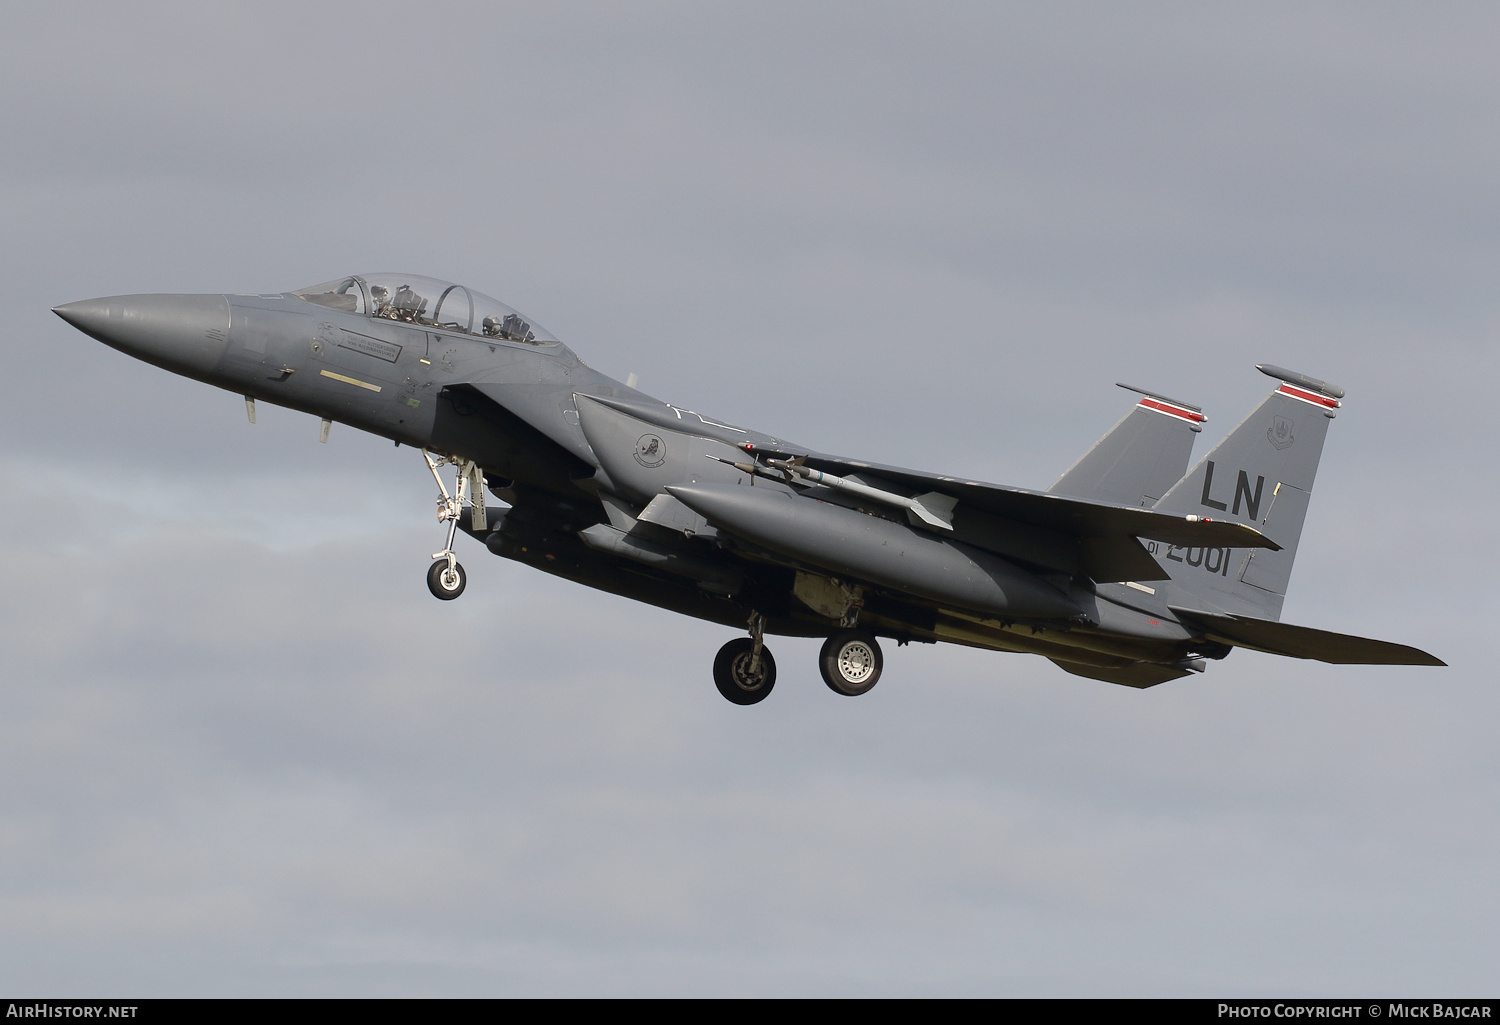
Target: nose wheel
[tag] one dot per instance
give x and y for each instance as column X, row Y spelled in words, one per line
column 446, row 578
column 446, row 581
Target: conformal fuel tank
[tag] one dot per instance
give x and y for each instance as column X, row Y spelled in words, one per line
column 854, row 544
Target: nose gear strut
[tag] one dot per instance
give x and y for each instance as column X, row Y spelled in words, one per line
column 446, row 578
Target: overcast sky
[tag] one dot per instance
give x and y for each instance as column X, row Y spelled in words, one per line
column 243, row 750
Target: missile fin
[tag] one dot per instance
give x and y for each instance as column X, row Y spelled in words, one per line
column 933, row 509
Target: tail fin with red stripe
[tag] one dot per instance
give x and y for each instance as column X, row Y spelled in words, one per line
column 1261, row 475
column 1140, row 458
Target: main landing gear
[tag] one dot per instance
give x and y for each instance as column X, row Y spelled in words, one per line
column 446, row 578
column 745, row 672
column 850, row 662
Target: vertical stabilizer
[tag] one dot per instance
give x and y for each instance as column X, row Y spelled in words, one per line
column 1140, row 458
column 1262, row 475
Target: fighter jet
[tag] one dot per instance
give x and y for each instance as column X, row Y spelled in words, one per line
column 1131, row 568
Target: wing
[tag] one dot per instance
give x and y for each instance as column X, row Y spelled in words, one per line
column 1057, row 532
column 1069, row 535
column 1076, row 517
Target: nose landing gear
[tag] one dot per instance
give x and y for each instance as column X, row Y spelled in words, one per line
column 445, row 581
column 446, row 578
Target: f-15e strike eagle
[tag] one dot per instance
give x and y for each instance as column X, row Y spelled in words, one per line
column 1131, row 569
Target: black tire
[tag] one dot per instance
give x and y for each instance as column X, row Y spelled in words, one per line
column 441, row 585
column 732, row 672
column 851, row 662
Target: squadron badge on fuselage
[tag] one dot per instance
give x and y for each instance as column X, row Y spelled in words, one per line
column 650, row 451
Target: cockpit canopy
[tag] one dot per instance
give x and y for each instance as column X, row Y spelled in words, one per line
column 419, row 300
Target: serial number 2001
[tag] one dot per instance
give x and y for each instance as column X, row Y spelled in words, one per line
column 1212, row 560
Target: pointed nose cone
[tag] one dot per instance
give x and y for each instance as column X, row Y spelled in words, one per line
column 182, row 333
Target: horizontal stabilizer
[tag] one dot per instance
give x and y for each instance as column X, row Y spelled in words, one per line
column 1303, row 641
